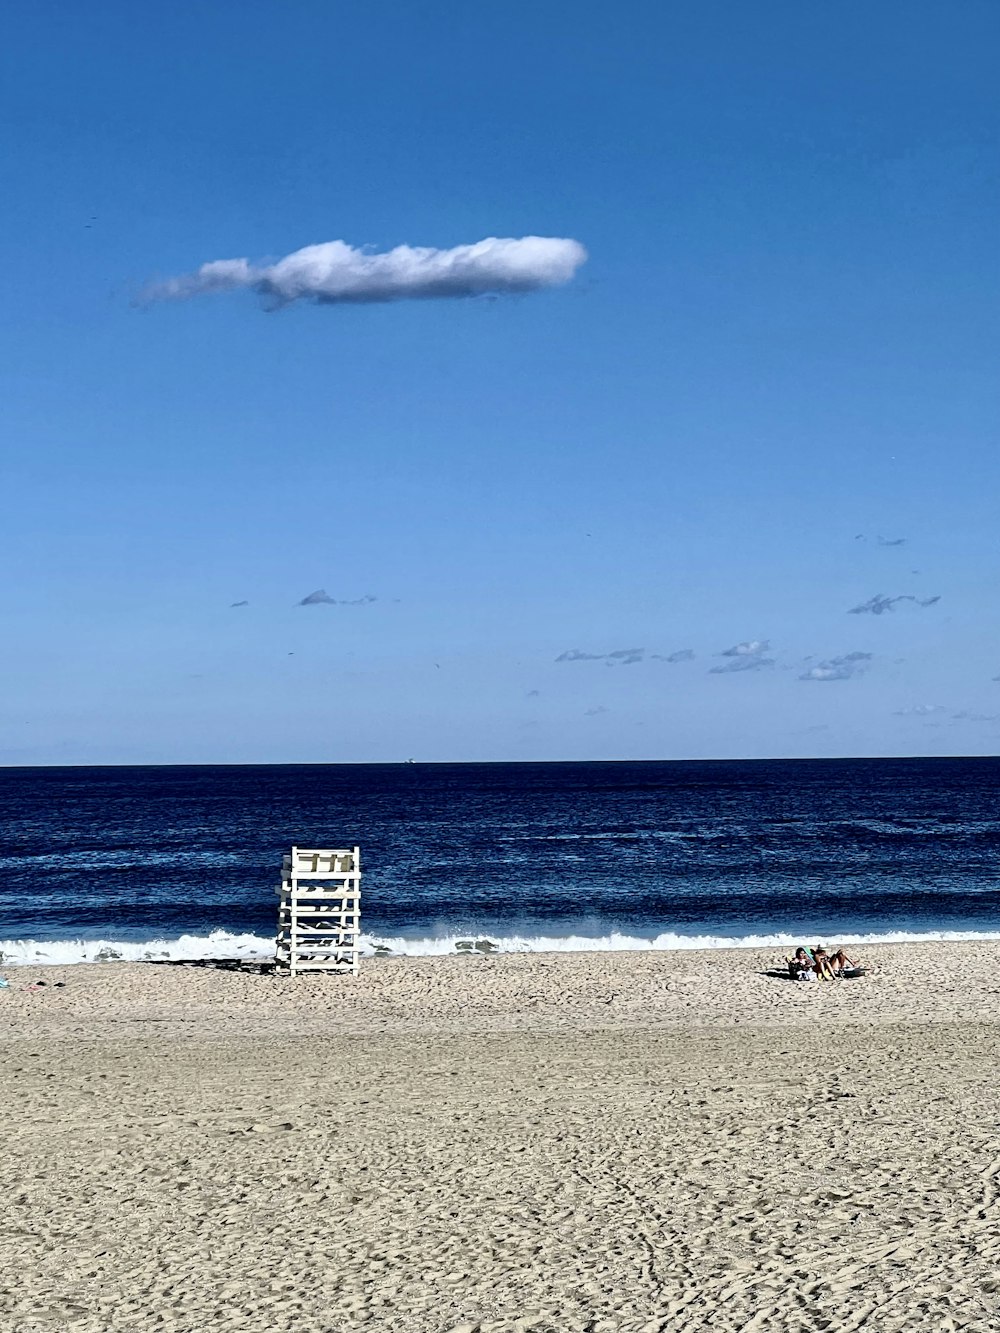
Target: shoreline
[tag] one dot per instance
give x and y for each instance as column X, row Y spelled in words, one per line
column 232, row 947
column 464, row 993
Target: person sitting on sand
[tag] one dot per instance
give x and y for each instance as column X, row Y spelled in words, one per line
column 840, row 963
column 823, row 964
column 801, row 965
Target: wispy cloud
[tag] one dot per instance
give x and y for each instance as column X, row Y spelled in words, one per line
column 681, row 655
column 620, row 656
column 595, row 712
column 748, row 648
column 879, row 604
column 891, row 541
column 742, row 664
column 920, row 710
column 838, row 668
column 233, row 604
column 322, row 598
column 875, row 606
column 975, row 717
column 335, row 273
column 533, row 694
column 630, row 656
column 745, row 656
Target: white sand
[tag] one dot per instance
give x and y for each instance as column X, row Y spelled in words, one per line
column 555, row 1142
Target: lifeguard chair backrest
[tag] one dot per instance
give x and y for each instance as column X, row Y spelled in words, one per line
column 306, row 861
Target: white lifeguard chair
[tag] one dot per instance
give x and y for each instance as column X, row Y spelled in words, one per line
column 319, row 910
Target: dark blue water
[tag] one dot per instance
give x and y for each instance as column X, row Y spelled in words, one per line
column 541, row 851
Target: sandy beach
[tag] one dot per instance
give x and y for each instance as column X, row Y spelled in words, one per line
column 626, row 1142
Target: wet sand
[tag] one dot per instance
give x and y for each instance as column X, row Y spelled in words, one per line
column 552, row 1142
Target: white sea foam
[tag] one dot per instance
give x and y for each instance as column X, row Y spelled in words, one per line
column 217, row 944
column 617, row 942
column 223, row 944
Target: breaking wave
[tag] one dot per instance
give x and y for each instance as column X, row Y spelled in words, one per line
column 223, row 944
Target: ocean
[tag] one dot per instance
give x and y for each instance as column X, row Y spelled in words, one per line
column 181, row 862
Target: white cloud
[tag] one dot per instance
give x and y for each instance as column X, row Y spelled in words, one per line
column 839, row 668
column 335, row 272
column 749, row 648
column 745, row 656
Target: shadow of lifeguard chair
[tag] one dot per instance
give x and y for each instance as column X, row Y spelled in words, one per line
column 319, row 910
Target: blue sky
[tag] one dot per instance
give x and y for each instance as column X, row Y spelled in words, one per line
column 785, row 336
